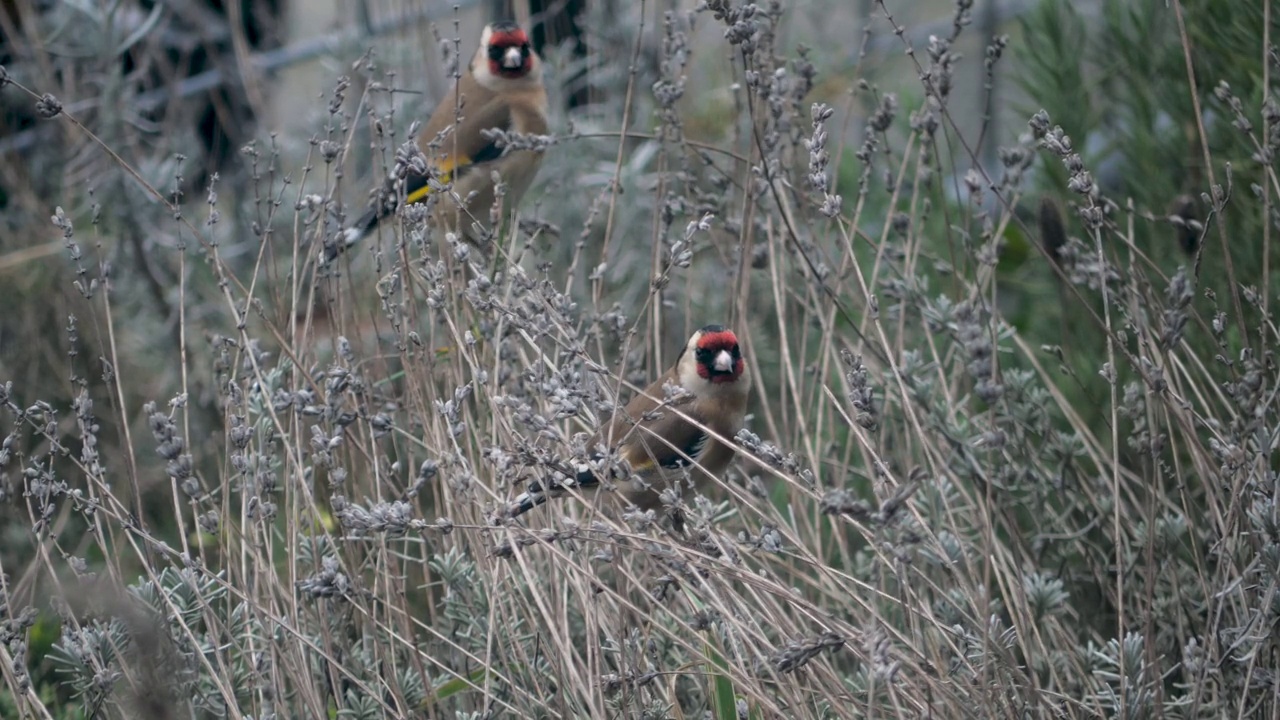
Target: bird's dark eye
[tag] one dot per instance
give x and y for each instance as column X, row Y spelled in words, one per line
column 702, row 355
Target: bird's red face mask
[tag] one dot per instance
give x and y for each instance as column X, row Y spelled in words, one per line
column 718, row 357
column 510, row 55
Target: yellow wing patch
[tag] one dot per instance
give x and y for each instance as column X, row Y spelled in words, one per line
column 445, row 168
column 643, row 458
column 638, row 457
column 643, row 465
column 418, row 195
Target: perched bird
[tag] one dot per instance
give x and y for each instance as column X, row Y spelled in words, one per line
column 501, row 89
column 656, row 437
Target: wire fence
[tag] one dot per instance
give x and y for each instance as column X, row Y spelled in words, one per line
column 265, row 62
column 268, row 61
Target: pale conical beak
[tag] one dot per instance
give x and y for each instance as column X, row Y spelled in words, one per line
column 723, row 362
column 512, row 59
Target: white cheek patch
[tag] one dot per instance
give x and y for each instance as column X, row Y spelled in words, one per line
column 688, row 375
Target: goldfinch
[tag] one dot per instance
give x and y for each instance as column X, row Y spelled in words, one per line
column 660, row 432
column 501, row 89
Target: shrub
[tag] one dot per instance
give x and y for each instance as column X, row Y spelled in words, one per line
column 1009, row 450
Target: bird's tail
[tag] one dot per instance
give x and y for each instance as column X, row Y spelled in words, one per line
column 525, row 502
column 417, row 186
column 537, row 494
column 363, row 225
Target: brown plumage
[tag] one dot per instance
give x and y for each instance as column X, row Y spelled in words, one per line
column 501, row 89
column 657, row 439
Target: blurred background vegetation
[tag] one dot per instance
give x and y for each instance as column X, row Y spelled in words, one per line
column 1002, row 270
